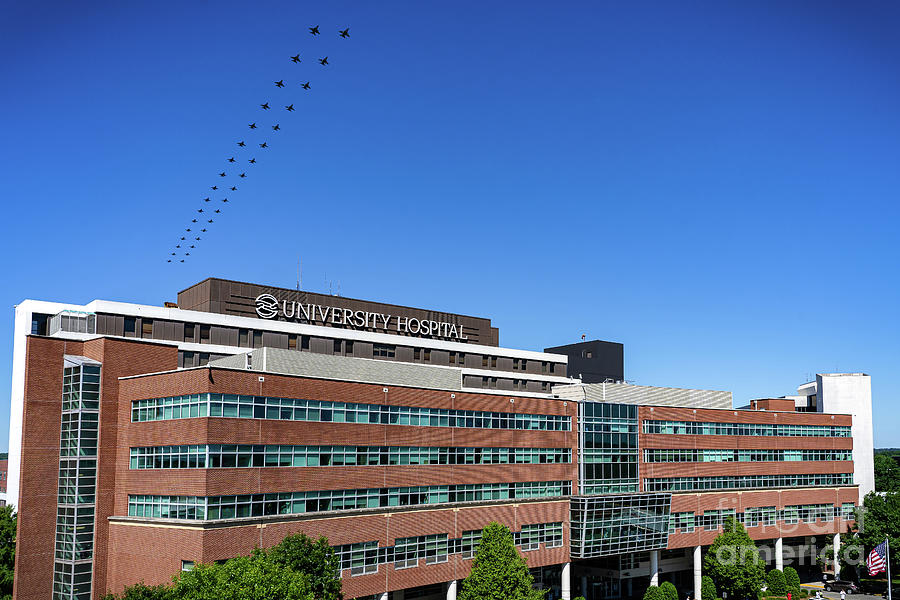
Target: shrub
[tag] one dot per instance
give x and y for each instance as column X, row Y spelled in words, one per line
column 668, row 591
column 707, row 588
column 792, row 580
column 776, row 583
column 653, row 593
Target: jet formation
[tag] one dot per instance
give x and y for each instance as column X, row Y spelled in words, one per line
column 282, row 87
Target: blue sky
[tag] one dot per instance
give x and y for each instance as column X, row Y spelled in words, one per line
column 712, row 184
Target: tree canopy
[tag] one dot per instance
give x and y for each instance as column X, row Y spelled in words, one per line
column 878, row 517
column 499, row 572
column 298, row 568
column 734, row 563
column 887, row 474
column 7, row 550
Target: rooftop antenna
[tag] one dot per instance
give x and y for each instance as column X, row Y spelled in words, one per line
column 339, row 288
column 298, row 273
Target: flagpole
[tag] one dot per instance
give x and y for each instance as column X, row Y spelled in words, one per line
column 887, row 547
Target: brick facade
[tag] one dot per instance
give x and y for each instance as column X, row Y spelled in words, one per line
column 131, row 549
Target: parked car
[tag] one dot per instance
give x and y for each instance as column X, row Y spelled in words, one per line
column 837, row 585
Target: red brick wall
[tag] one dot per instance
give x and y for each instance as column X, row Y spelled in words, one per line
column 41, row 419
column 42, row 416
column 740, row 501
column 147, row 546
column 153, row 553
column 217, row 430
column 711, row 469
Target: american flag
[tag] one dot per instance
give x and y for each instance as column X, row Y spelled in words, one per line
column 876, row 562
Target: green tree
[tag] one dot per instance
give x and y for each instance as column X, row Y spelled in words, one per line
column 668, row 590
column 887, row 474
column 879, row 516
column 254, row 577
column 775, row 583
column 733, row 562
column 139, row 591
column 7, row 550
column 653, row 593
column 707, row 588
column 792, row 580
column 315, row 559
column 498, row 572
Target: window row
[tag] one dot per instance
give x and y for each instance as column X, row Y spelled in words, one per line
column 691, row 455
column 232, row 455
column 699, row 428
column 711, row 520
column 289, row 409
column 365, row 557
column 743, row 482
column 255, row 505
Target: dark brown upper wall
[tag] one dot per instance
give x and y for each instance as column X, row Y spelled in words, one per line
column 238, row 298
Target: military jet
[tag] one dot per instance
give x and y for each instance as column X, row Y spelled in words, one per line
column 275, row 127
column 323, row 61
column 264, row 145
column 314, row 30
column 221, row 174
column 242, row 175
column 279, row 83
column 265, row 106
column 233, row 189
column 252, row 161
column 199, row 210
column 214, row 187
column 290, row 107
column 296, row 59
column 252, row 125
column 231, row 159
column 206, row 199
column 241, row 144
column 224, row 199
column 345, row 33
column 305, row 86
